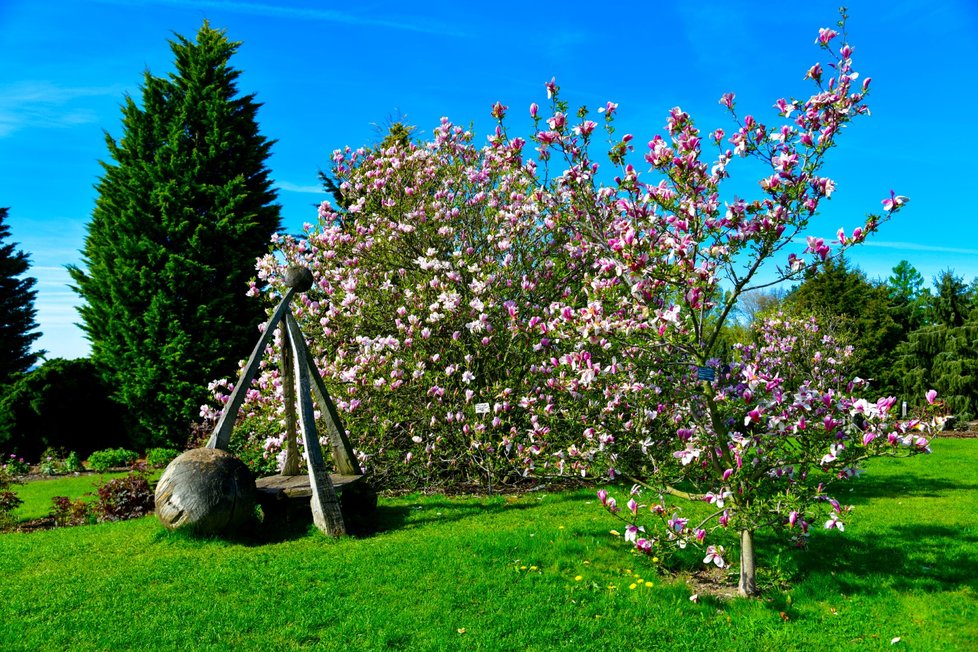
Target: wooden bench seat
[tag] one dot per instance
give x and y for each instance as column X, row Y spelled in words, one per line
column 289, row 496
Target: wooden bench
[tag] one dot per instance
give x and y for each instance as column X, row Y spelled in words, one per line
column 287, row 496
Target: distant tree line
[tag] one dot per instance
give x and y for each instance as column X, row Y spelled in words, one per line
column 908, row 337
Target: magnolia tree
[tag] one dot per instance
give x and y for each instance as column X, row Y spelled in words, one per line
column 762, row 437
column 497, row 312
column 758, row 438
column 448, row 314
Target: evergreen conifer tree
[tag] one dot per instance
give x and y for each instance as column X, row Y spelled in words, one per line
column 944, row 355
column 852, row 302
column 17, row 312
column 912, row 302
column 185, row 207
column 952, row 300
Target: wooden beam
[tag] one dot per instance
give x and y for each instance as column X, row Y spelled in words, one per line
column 287, row 368
column 343, row 456
column 325, row 504
column 221, row 436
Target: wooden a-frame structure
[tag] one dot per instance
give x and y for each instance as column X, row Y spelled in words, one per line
column 301, row 382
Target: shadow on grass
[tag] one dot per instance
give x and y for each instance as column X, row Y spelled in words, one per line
column 924, row 558
column 429, row 511
column 432, row 511
column 296, row 521
column 872, row 487
column 915, row 555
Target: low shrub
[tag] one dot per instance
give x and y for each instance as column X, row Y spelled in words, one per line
column 118, row 499
column 158, row 458
column 124, row 498
column 104, row 460
column 73, row 463
column 66, row 511
column 52, row 461
column 9, row 501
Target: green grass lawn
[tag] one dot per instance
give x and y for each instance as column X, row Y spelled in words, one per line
column 535, row 572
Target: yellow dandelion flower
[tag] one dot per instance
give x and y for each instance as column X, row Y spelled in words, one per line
column 648, row 584
column 533, row 568
column 632, row 586
column 578, row 578
column 655, row 560
column 522, row 567
column 615, row 533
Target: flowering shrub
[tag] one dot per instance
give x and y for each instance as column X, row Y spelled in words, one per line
column 9, row 501
column 15, row 465
column 55, row 461
column 445, row 316
column 490, row 313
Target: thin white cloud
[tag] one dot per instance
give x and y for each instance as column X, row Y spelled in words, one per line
column 294, row 187
column 41, row 104
column 423, row 26
column 905, row 246
column 916, row 246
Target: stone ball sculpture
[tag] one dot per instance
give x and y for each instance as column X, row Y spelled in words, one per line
column 206, row 491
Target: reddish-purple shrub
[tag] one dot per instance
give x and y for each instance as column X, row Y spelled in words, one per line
column 124, row 498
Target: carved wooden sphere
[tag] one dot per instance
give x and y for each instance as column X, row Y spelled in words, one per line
column 206, row 491
column 299, row 278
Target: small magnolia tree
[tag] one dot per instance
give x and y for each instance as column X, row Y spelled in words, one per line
column 763, row 443
column 478, row 314
column 760, row 441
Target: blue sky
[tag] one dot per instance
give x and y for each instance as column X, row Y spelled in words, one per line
column 328, row 73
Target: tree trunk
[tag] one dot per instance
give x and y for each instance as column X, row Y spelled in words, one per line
column 748, row 582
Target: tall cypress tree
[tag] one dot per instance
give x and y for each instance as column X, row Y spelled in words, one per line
column 17, row 312
column 185, row 207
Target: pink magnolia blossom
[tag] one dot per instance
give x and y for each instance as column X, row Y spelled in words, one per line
column 893, row 202
column 714, row 554
column 825, row 34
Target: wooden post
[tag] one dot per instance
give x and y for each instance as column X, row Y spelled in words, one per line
column 287, row 368
column 325, row 505
column 343, row 456
column 221, row 436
